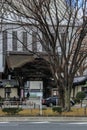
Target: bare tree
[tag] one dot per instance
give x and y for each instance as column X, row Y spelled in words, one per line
column 63, row 24
column 83, row 68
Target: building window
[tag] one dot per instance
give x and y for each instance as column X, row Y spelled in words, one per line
column 46, row 43
column 34, row 42
column 63, row 38
column 4, row 41
column 84, row 89
column 4, row 45
column 14, row 40
column 7, row 92
column 24, row 41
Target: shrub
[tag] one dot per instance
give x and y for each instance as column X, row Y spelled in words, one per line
column 12, row 110
column 80, row 96
column 44, row 108
column 1, row 101
column 76, row 100
column 57, row 109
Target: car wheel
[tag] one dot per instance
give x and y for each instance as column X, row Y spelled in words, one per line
column 71, row 104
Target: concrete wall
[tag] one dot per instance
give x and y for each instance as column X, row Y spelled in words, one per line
column 77, row 89
column 12, row 94
column 2, row 94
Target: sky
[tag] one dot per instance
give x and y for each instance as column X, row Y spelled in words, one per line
column 74, row 1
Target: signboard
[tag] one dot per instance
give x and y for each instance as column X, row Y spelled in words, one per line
column 35, row 89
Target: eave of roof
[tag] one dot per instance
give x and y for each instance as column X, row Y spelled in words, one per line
column 80, row 80
column 15, row 61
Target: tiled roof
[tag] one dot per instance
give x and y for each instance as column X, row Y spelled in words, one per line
column 9, row 83
column 14, row 61
column 80, row 80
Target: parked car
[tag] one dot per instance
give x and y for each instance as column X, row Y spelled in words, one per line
column 50, row 101
column 53, row 101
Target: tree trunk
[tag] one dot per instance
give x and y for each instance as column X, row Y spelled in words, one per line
column 67, row 100
column 61, row 101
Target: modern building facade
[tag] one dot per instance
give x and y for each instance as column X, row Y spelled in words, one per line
column 17, row 42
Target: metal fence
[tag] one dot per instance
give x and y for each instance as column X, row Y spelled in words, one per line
column 23, row 104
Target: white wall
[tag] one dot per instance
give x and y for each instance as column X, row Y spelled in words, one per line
column 35, row 88
column 36, row 84
column 1, row 55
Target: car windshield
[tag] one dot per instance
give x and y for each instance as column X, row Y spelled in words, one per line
column 48, row 98
column 53, row 97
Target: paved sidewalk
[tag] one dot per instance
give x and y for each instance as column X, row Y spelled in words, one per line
column 49, row 119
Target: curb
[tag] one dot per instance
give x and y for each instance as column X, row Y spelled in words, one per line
column 40, row 119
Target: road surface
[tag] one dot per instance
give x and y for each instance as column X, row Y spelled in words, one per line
column 43, row 125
